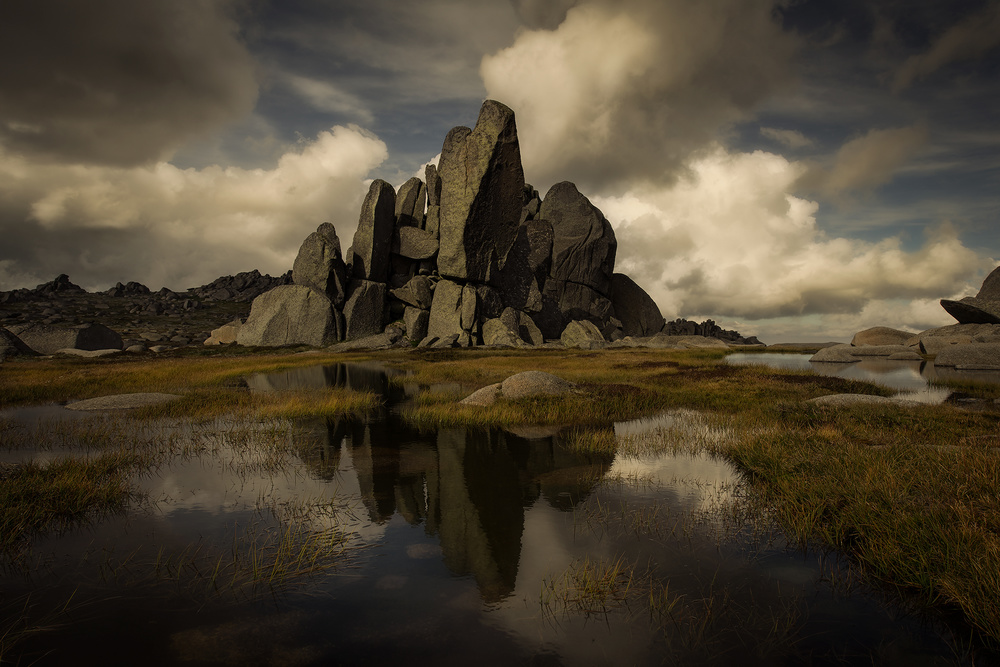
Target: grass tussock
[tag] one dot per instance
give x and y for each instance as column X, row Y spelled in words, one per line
column 40, row 497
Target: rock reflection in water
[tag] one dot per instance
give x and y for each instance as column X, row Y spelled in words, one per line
column 469, row 488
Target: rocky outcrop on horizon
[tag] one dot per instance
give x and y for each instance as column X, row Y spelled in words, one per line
column 708, row 329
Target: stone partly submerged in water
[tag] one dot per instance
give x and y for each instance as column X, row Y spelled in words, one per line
column 836, row 354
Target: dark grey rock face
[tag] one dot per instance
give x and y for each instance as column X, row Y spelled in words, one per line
column 320, row 265
column 418, row 292
column 973, row 310
column 635, row 309
column 46, row 339
column 583, row 244
column 521, row 276
column 410, row 202
column 290, row 314
column 416, row 321
column 373, row 237
column 984, row 308
column 578, row 302
column 414, row 243
column 446, row 310
column 364, row 308
column 481, row 186
column 12, row 346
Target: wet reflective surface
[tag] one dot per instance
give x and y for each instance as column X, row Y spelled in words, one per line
column 910, row 378
column 457, row 547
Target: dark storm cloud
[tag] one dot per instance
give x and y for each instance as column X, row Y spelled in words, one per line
column 545, row 14
column 118, row 81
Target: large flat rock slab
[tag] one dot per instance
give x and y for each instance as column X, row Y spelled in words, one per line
column 122, row 401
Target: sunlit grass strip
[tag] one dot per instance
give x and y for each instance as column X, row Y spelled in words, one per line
column 36, row 497
column 205, row 403
column 39, row 381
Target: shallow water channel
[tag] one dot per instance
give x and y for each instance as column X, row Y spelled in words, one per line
column 371, row 542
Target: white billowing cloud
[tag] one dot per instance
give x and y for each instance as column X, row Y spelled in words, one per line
column 791, row 138
column 727, row 240
column 970, row 38
column 625, row 91
column 162, row 225
column 869, row 161
column 324, row 96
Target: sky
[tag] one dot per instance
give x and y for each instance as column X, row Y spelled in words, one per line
column 798, row 170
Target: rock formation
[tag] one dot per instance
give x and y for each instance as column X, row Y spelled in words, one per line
column 471, row 256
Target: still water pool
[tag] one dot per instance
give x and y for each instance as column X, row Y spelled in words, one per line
column 370, row 542
column 912, row 379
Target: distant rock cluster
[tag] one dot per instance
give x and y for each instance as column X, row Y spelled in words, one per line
column 243, row 287
column 470, row 255
column 60, row 316
column 709, row 329
column 972, row 344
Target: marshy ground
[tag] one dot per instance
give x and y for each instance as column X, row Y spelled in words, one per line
column 900, row 502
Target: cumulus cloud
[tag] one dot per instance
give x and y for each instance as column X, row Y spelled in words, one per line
column 117, row 81
column 728, row 240
column 968, row 39
column 621, row 91
column 868, row 161
column 163, row 225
